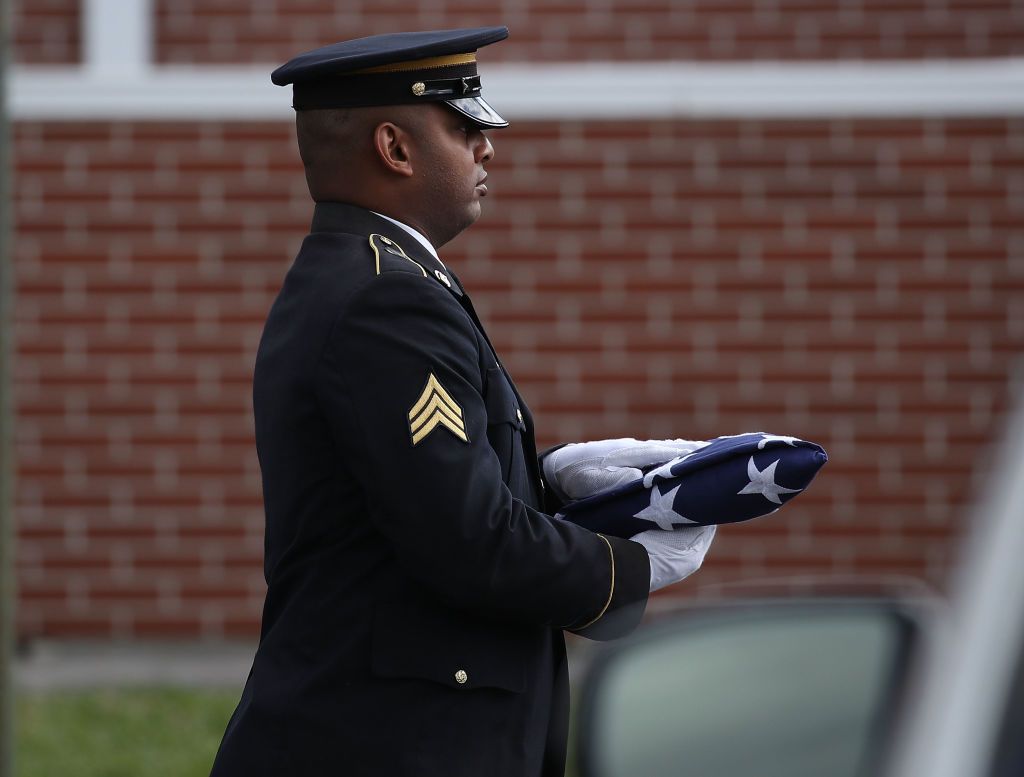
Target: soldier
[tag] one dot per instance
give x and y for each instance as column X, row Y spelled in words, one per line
column 417, row 583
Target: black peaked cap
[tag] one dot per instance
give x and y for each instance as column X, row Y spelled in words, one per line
column 396, row 68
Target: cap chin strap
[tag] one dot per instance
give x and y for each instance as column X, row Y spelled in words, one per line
column 467, row 86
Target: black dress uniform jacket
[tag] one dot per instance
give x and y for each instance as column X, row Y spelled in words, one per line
column 416, row 591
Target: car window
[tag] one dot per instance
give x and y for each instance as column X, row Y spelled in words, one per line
column 782, row 696
column 1008, row 758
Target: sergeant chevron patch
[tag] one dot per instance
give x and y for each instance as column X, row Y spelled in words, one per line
column 435, row 407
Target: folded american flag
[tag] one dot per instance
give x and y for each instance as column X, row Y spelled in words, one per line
column 730, row 479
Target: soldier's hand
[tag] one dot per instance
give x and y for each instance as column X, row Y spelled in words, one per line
column 675, row 554
column 583, row 469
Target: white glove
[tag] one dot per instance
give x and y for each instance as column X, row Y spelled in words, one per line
column 583, row 469
column 675, row 554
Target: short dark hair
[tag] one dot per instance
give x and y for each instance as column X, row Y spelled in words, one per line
column 323, row 135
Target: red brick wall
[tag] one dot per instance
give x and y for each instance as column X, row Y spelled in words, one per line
column 241, row 30
column 45, row 31
column 146, row 259
column 229, row 31
column 858, row 283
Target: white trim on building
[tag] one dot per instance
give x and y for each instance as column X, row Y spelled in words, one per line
column 117, row 37
column 647, row 90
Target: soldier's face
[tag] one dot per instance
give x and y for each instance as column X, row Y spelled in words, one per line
column 451, row 155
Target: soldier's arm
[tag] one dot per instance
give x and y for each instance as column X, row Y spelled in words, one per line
column 400, row 382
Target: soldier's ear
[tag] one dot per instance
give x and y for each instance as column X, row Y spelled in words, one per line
column 392, row 145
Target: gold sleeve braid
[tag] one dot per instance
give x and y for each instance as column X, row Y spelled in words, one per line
column 611, row 588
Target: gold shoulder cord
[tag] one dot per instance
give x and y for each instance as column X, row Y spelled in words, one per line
column 393, row 248
column 611, row 589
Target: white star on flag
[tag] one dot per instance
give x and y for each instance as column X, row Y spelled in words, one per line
column 660, row 510
column 763, row 482
column 664, row 471
column 767, row 438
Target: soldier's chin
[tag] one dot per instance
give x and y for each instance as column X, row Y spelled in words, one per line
column 472, row 213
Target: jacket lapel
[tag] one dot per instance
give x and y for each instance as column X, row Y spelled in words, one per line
column 529, row 442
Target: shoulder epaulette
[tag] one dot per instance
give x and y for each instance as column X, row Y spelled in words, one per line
column 384, row 248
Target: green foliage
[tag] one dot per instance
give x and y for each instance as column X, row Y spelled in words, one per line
column 120, row 733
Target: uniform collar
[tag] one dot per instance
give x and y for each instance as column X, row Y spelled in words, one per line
column 414, row 232
column 353, row 220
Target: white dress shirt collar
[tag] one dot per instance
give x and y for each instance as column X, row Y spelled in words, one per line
column 415, row 233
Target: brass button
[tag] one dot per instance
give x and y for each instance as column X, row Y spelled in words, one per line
column 461, row 677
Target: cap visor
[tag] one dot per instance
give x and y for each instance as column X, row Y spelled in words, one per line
column 477, row 109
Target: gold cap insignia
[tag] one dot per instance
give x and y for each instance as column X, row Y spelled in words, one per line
column 435, row 407
column 419, row 88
